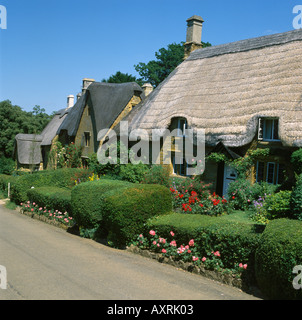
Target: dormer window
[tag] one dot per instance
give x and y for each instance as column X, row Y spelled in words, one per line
column 268, row 129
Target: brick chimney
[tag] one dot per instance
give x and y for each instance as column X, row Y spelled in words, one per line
column 194, row 32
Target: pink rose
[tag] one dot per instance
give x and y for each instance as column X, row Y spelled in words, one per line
column 164, row 251
column 152, row 232
column 191, row 243
column 172, row 233
column 244, row 266
column 203, row 259
column 173, row 243
column 154, row 242
column 240, row 265
column 195, row 258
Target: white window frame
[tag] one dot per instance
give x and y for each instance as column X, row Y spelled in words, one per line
column 262, row 129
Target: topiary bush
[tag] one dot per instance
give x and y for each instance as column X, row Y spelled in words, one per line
column 127, row 210
column 52, row 198
column 279, row 251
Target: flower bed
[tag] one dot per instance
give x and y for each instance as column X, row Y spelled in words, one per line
column 187, row 257
column 51, row 216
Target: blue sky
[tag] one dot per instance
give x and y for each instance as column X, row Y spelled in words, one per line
column 50, row 46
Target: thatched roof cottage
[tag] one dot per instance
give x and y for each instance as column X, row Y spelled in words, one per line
column 243, row 94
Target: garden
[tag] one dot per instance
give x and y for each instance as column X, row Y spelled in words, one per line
column 253, row 235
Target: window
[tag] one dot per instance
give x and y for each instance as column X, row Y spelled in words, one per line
column 182, row 125
column 270, row 172
column 87, row 139
column 179, row 166
column 268, row 129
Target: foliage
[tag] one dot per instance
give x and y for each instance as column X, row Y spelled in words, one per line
column 296, row 160
column 167, row 59
column 14, row 120
column 120, row 77
column 296, row 199
column 236, row 242
column 51, row 198
column 242, row 193
column 7, row 165
column 190, row 202
column 88, row 201
column 278, row 252
column 62, row 178
column 51, row 214
column 157, row 174
column 128, row 209
column 133, row 172
column 244, row 164
column 277, row 205
column 65, row 157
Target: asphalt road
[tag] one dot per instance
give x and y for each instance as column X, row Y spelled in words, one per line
column 46, row 263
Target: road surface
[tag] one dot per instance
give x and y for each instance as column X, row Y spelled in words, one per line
column 46, row 263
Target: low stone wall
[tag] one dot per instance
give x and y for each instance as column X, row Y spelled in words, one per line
column 225, row 278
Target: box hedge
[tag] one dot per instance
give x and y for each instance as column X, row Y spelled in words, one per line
column 236, row 241
column 88, row 201
column 128, row 209
column 62, row 178
column 120, row 208
column 279, row 251
column 51, row 198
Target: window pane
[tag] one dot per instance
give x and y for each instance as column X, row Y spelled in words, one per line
column 268, row 127
column 270, row 172
column 260, row 171
column 276, row 129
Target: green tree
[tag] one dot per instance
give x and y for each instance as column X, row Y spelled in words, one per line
column 14, row 120
column 155, row 71
column 120, row 77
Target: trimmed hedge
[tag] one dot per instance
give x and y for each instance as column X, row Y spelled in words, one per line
column 279, row 251
column 128, row 209
column 62, row 178
column 118, row 207
column 51, row 198
column 236, row 242
column 88, row 201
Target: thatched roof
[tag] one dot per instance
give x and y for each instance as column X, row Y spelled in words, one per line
column 28, row 148
column 108, row 100
column 225, row 89
column 51, row 129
